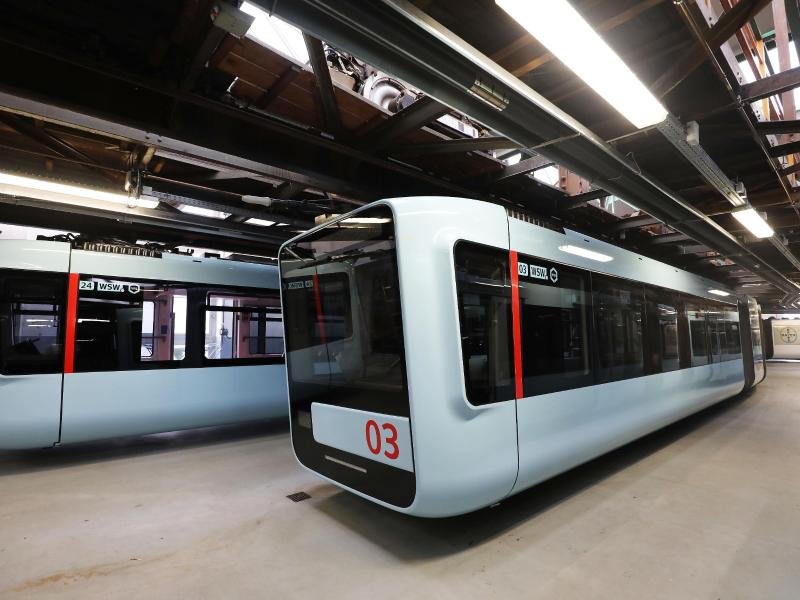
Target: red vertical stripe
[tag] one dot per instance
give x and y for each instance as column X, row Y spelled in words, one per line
column 71, row 318
column 318, row 304
column 515, row 325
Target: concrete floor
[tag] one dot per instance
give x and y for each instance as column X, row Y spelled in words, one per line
column 708, row 508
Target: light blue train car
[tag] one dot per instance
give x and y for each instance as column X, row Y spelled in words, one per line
column 112, row 340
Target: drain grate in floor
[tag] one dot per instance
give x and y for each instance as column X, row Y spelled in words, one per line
column 298, row 496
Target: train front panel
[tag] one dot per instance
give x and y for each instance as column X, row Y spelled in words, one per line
column 378, row 403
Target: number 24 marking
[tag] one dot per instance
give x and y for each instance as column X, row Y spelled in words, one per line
column 375, row 441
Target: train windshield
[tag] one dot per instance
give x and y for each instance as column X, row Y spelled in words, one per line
column 344, row 338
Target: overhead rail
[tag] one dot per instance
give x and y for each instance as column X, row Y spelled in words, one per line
column 400, row 39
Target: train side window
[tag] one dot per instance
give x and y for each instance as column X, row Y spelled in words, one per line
column 242, row 327
column 483, row 288
column 555, row 324
column 31, row 316
column 755, row 333
column 715, row 332
column 662, row 330
column 733, row 334
column 129, row 324
column 696, row 314
column 619, row 316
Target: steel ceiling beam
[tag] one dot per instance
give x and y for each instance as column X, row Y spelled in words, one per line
column 726, row 27
column 239, row 210
column 784, row 149
column 153, row 219
column 793, row 18
column 420, row 113
column 331, row 117
column 573, row 202
column 693, row 248
column 745, row 115
column 54, row 144
column 208, row 47
column 768, row 86
column 402, row 40
column 523, row 167
column 455, row 146
column 733, row 20
column 778, row 127
column 668, row 238
column 199, row 122
column 284, row 80
column 633, row 223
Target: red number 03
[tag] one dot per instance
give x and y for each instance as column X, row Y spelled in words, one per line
column 375, row 439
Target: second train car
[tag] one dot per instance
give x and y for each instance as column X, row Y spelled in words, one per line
column 443, row 355
column 784, row 338
column 116, row 340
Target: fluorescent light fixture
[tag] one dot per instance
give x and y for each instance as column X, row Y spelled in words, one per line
column 718, row 293
column 364, row 220
column 203, row 212
column 43, row 189
column 146, row 201
column 754, row 222
column 261, row 222
column 585, row 253
column 562, row 30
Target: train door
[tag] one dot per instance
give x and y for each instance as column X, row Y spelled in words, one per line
column 757, row 340
column 33, row 293
column 766, row 331
column 748, row 344
column 126, row 376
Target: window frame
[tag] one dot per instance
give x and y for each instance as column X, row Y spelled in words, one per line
column 135, row 358
column 600, row 376
column 491, row 399
column 56, row 364
column 590, row 347
column 196, row 294
column 682, row 302
column 242, row 293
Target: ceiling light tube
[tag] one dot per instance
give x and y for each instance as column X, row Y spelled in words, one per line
column 719, row 293
column 754, row 222
column 43, row 189
column 203, row 212
column 585, row 253
column 565, row 33
column 260, row 222
column 364, row 220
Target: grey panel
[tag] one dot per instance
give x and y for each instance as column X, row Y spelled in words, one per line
column 30, row 408
column 111, row 404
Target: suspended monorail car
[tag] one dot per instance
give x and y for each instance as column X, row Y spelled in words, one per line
column 785, row 338
column 443, row 355
column 116, row 340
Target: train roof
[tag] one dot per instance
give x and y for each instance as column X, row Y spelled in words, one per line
column 547, row 241
column 40, row 255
